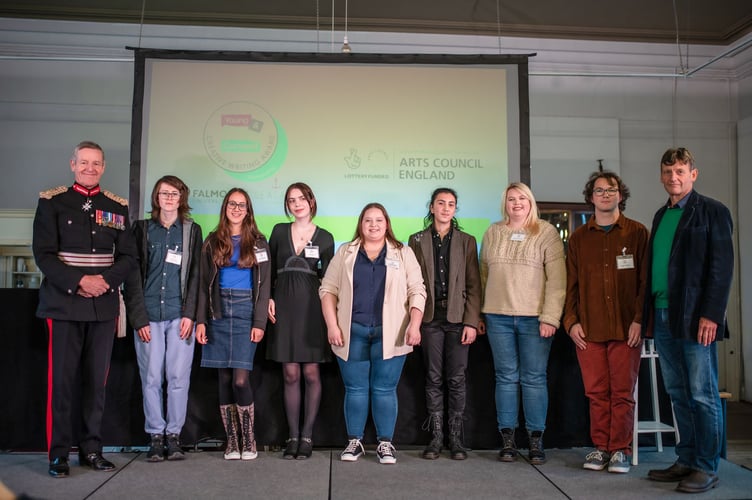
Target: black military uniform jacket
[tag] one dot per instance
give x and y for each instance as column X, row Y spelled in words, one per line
column 77, row 234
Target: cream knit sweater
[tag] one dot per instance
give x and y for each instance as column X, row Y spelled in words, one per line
column 523, row 274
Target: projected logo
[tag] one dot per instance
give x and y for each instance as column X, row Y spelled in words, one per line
column 243, row 139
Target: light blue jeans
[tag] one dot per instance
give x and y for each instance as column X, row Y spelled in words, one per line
column 690, row 375
column 520, row 358
column 367, row 375
column 168, row 357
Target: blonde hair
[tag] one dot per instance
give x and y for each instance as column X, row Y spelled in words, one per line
column 533, row 218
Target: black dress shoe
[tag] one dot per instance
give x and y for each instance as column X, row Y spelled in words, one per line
column 305, row 450
column 96, row 461
column 698, row 482
column 59, row 467
column 672, row 474
column 291, row 450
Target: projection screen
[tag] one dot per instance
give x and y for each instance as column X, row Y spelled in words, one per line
column 356, row 128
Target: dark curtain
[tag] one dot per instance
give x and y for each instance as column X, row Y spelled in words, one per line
column 23, row 369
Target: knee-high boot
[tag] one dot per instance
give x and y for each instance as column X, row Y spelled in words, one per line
column 247, row 417
column 230, row 420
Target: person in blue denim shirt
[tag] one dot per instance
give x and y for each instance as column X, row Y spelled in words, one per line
column 691, row 258
column 161, row 305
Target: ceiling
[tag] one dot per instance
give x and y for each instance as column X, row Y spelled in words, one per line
column 715, row 22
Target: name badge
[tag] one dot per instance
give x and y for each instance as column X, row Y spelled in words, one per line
column 625, row 262
column 393, row 263
column 261, row 256
column 174, row 257
column 311, row 252
column 518, row 237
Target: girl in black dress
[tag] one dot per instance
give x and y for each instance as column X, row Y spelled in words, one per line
column 301, row 252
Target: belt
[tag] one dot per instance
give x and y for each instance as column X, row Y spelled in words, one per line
column 86, row 259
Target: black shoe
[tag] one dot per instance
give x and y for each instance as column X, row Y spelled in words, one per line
column 672, row 474
column 305, row 450
column 508, row 452
column 96, row 461
column 698, row 482
column 291, row 449
column 456, row 450
column 536, row 455
column 434, row 424
column 174, row 451
column 59, row 467
column 156, row 448
column 432, row 450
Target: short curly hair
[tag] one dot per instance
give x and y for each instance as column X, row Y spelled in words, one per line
column 613, row 180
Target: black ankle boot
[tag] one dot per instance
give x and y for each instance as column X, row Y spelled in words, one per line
column 456, row 449
column 508, row 452
column 435, row 424
column 536, row 455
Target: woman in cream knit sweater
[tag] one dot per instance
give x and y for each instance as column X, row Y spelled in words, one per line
column 524, row 281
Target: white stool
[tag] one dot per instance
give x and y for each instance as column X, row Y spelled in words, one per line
column 653, row 426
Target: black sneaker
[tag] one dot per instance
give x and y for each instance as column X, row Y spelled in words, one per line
column 156, row 449
column 174, row 451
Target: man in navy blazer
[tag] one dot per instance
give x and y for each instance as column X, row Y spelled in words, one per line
column 691, row 264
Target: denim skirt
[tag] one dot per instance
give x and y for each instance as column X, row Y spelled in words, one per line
column 229, row 338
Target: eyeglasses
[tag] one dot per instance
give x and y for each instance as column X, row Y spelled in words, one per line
column 169, row 194
column 232, row 205
column 603, row 192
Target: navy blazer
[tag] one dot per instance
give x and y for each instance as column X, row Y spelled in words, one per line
column 700, row 269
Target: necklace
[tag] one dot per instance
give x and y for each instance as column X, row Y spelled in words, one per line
column 303, row 234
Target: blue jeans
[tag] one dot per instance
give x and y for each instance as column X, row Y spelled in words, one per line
column 366, row 374
column 520, row 358
column 166, row 356
column 690, row 375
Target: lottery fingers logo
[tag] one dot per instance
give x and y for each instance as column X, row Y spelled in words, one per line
column 245, row 140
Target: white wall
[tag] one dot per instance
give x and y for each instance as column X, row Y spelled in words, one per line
column 588, row 100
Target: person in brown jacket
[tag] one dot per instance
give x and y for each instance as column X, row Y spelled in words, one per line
column 606, row 270
column 448, row 260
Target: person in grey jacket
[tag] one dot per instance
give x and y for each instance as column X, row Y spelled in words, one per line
column 161, row 305
column 448, row 259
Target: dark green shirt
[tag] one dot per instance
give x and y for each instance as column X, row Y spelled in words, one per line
column 662, row 242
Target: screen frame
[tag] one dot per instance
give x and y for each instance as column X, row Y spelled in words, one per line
column 142, row 54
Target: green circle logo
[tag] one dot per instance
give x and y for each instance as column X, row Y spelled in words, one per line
column 243, row 139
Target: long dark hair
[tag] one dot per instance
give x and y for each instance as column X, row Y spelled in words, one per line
column 429, row 218
column 389, row 233
column 249, row 235
column 184, row 210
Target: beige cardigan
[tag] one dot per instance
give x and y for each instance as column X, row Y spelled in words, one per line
column 403, row 290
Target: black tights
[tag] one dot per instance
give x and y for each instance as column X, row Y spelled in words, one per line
column 235, row 387
column 291, row 373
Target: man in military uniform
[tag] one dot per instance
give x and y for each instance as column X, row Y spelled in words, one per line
column 83, row 246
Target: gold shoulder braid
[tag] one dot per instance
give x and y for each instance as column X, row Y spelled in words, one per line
column 115, row 197
column 47, row 195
